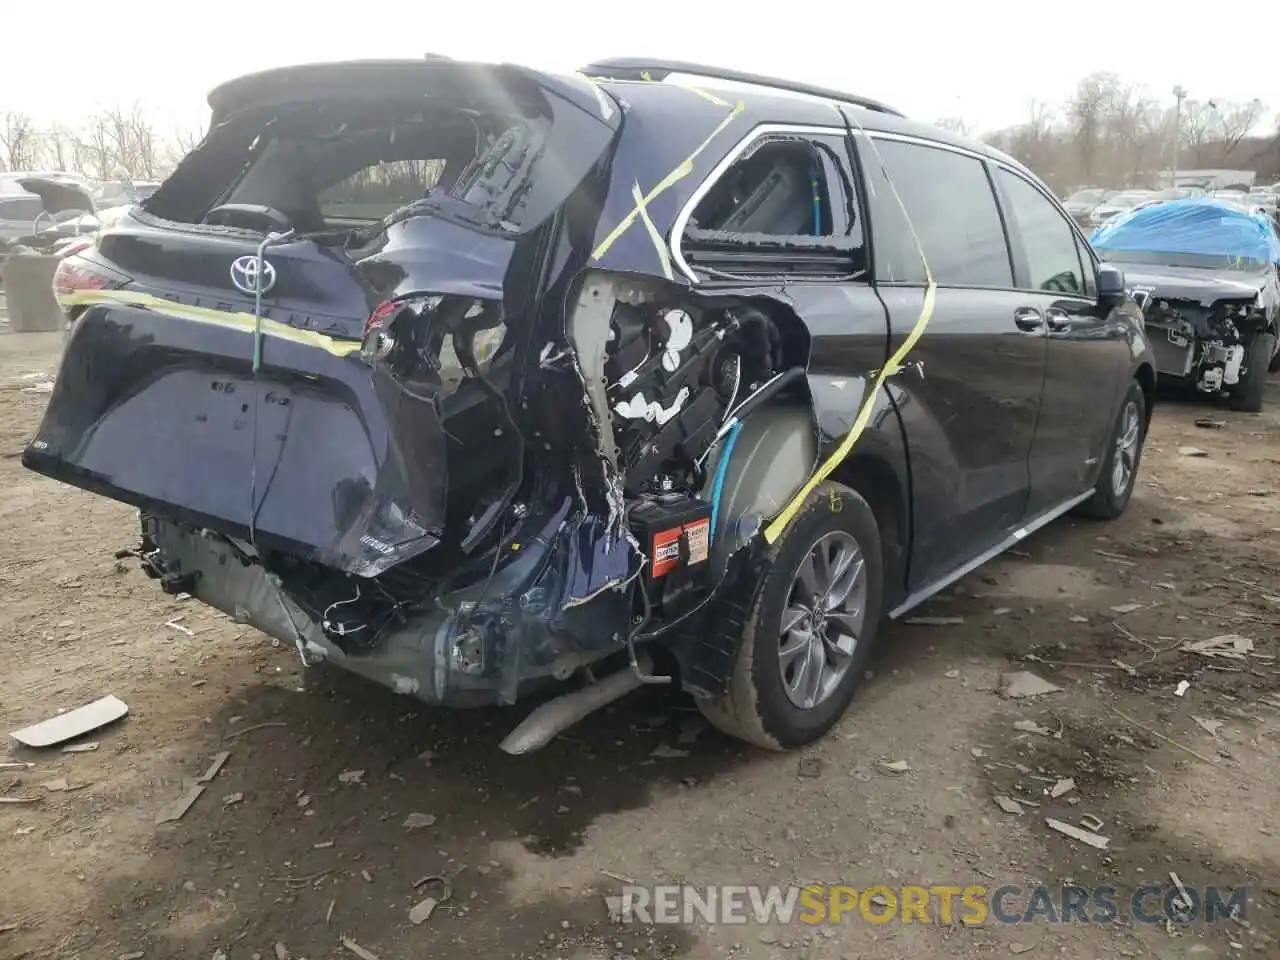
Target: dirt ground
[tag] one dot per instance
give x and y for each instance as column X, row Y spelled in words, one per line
column 282, row 849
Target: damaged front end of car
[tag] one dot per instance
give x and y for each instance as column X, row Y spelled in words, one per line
column 1201, row 343
column 504, row 473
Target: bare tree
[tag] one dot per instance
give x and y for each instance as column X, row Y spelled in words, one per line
column 20, row 140
column 1235, row 122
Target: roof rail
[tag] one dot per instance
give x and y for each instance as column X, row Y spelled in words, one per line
column 641, row 68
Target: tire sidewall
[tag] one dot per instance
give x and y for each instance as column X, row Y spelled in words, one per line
column 1117, row 502
column 830, row 508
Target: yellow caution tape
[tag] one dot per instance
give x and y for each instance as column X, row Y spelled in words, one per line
column 245, row 322
column 675, row 176
column 775, row 529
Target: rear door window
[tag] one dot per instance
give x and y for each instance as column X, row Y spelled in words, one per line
column 950, row 208
column 1048, row 241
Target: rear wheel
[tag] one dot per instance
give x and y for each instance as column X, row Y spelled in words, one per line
column 1124, row 453
column 811, row 619
column 1247, row 394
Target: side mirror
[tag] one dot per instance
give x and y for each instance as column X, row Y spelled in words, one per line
column 1110, row 284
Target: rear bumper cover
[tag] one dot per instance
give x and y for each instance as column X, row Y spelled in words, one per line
column 484, row 644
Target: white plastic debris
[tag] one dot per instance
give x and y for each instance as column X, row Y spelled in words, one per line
column 1020, row 685
column 1095, row 840
column 1181, row 689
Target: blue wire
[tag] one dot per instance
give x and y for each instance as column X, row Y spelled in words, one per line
column 722, row 468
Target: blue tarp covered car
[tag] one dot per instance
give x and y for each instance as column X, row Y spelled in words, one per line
column 1206, row 273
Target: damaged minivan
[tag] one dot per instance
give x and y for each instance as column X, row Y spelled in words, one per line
column 479, row 381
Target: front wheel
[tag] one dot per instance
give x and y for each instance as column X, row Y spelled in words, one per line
column 1246, row 395
column 1124, row 453
column 812, row 614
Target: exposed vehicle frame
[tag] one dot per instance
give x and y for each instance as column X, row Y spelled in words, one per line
column 675, row 445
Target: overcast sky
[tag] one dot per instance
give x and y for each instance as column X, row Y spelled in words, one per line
column 983, row 61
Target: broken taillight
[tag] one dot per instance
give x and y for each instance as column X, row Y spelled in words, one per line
column 75, row 274
column 377, row 342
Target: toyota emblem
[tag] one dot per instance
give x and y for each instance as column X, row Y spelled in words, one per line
column 245, row 277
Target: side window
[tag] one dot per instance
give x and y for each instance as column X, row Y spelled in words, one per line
column 376, row 191
column 951, row 207
column 783, row 208
column 1053, row 258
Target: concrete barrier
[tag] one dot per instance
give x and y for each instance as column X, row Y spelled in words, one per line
column 28, row 290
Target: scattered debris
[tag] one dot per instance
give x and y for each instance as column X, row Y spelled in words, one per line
column 358, row 950
column 231, row 799
column 952, row 674
column 1182, row 891
column 282, row 952
column 418, row 821
column 619, row 877
column 1230, row 645
column 1001, row 611
column 1009, row 805
column 1019, row 947
column 1023, row 684
column 136, row 955
column 664, row 752
column 1095, row 840
column 328, row 914
column 691, row 729
column 15, row 765
column 1076, row 618
column 1208, row 423
column 1064, row 786
column 351, row 776
column 19, row 799
column 89, row 747
column 934, row 621
column 61, row 785
column 1208, row 725
column 1116, row 557
column 176, row 624
column 323, row 845
column 1128, row 607
column 422, row 911
column 214, row 766
column 72, row 724
column 178, row 809
column 256, row 726
column 1181, row 689
column 1160, row 736
column 1192, row 452
column 809, row 768
column 893, row 767
column 1030, row 726
column 1090, row 822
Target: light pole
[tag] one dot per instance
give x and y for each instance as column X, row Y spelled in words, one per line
column 1179, row 94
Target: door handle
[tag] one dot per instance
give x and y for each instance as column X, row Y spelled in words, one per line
column 1028, row 318
column 1057, row 320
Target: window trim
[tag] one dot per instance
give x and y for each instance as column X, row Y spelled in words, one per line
column 1021, row 253
column 763, row 130
column 986, row 163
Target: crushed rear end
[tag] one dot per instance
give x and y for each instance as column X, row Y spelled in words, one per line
column 305, row 380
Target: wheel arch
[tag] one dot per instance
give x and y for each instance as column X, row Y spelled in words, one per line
column 1146, row 377
column 887, row 492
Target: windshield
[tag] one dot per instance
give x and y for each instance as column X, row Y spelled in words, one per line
column 1190, row 233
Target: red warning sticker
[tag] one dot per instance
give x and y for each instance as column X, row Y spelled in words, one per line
column 666, row 546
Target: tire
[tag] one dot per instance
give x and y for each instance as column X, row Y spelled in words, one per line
column 1247, row 394
column 1110, row 495
column 764, row 702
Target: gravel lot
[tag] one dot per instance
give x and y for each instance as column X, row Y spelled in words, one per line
column 283, row 849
